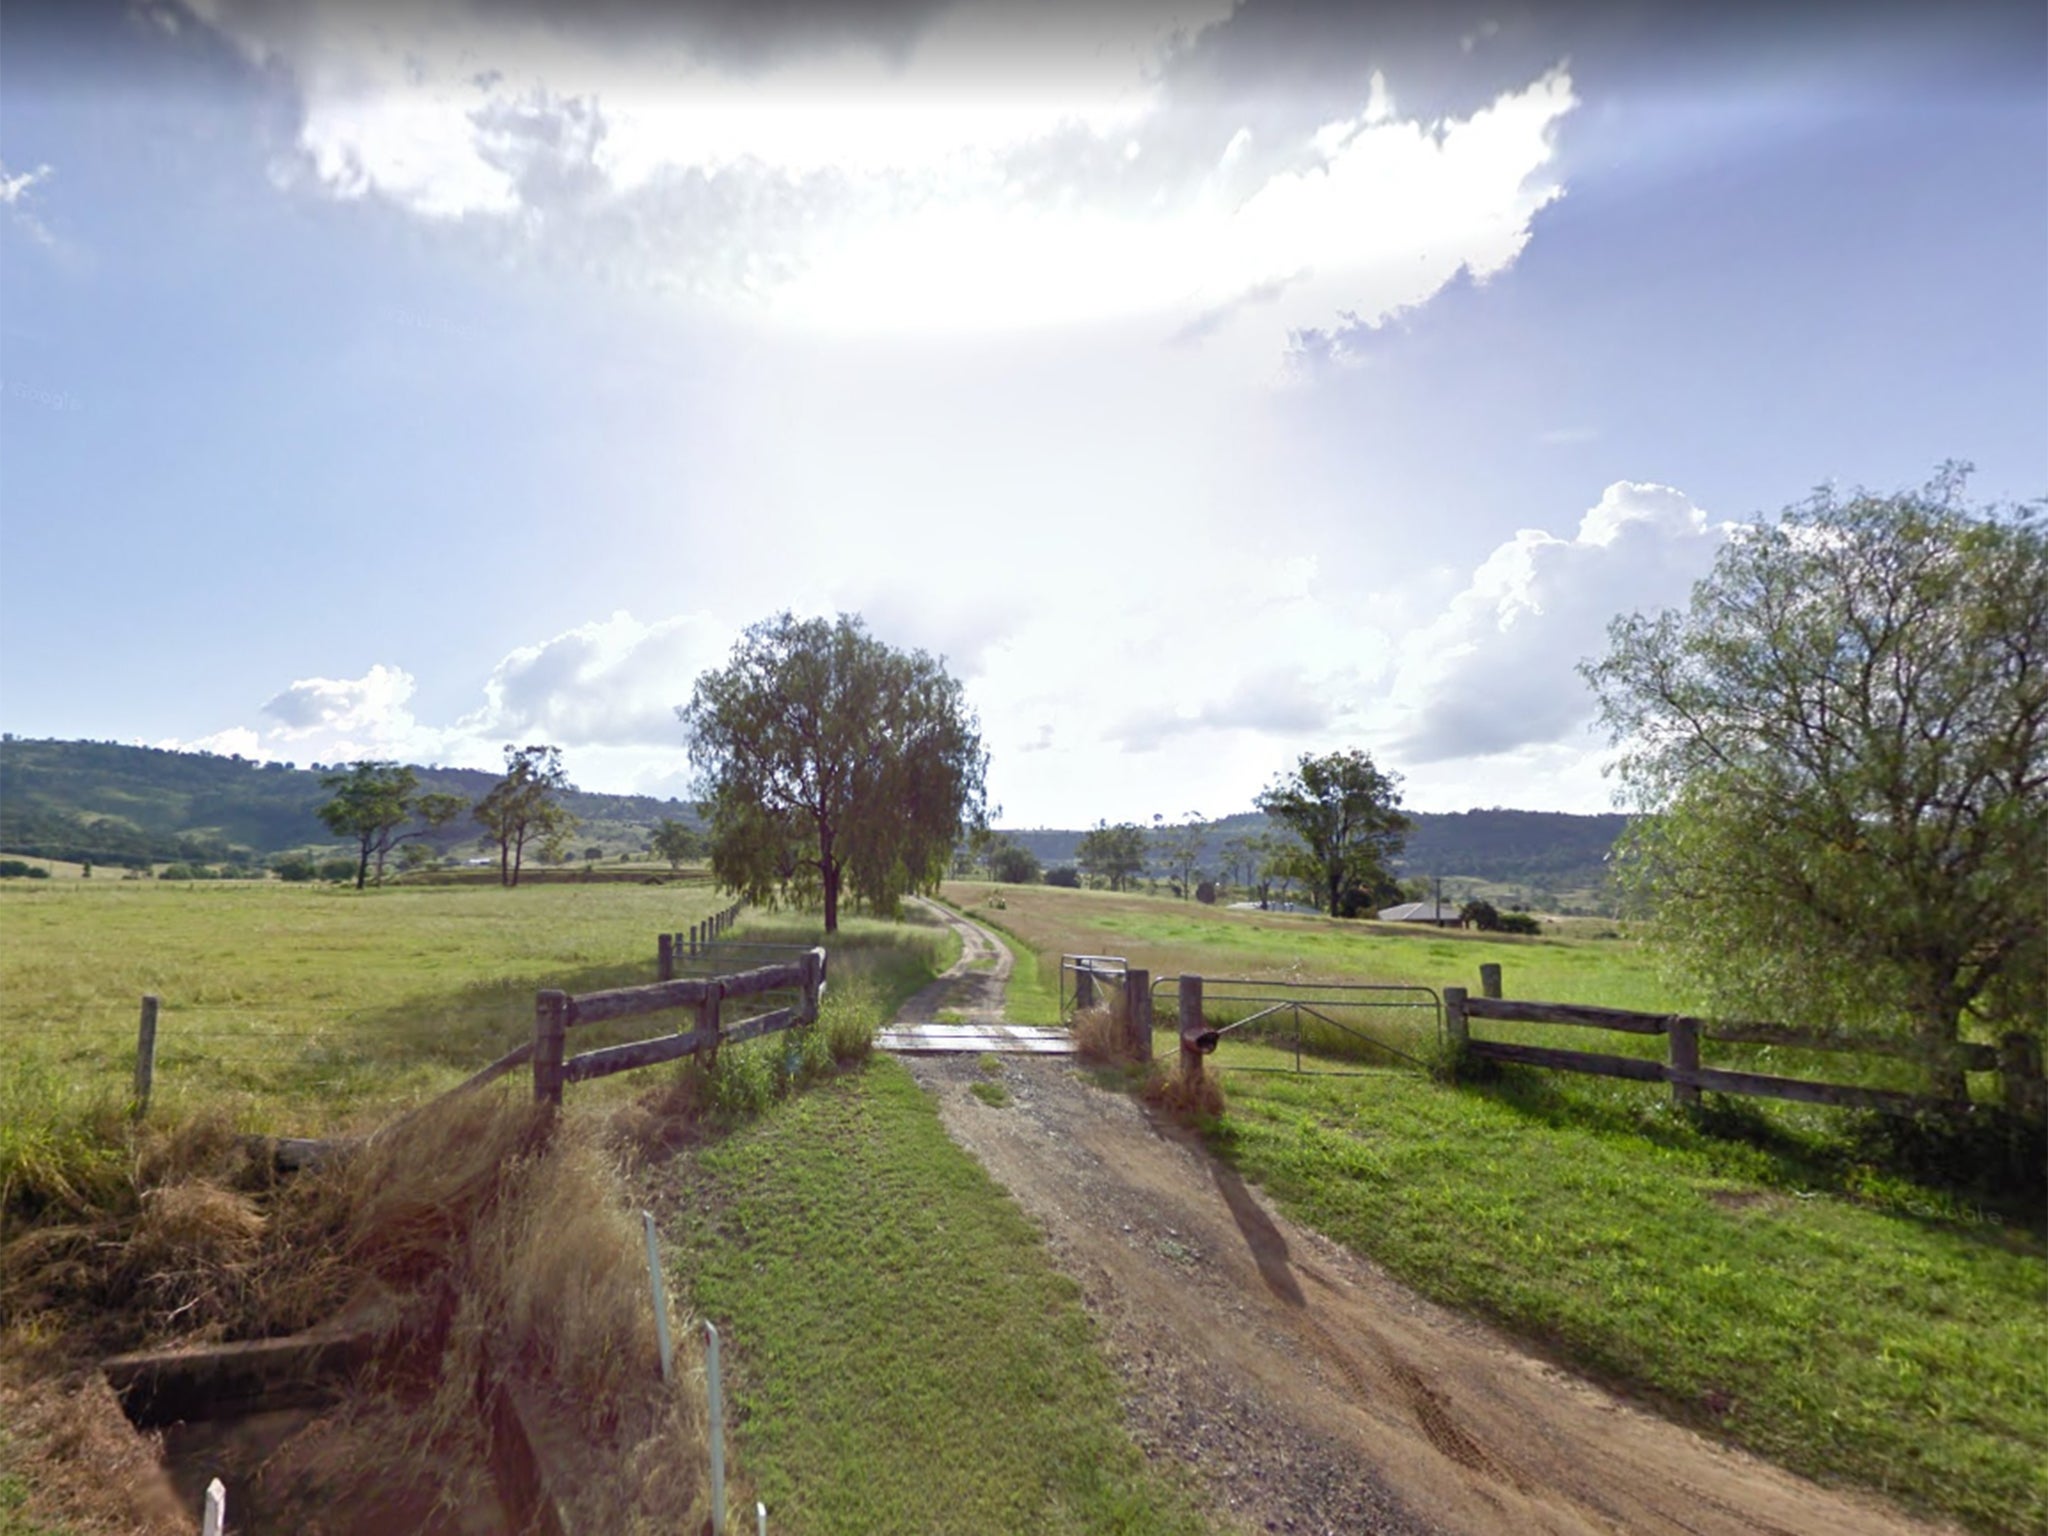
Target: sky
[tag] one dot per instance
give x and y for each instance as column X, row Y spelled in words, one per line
column 1207, row 383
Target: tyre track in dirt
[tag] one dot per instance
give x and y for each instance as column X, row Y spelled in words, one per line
column 1302, row 1388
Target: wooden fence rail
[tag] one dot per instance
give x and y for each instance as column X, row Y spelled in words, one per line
column 2017, row 1059
column 556, row 1013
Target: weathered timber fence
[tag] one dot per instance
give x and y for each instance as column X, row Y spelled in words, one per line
column 712, row 930
column 2017, row 1058
column 556, row 1013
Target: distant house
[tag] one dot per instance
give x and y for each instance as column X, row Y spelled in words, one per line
column 1423, row 912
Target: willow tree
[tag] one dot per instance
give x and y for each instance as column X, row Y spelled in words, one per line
column 831, row 762
column 1841, row 751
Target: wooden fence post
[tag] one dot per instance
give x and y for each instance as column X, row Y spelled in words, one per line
column 2019, row 1071
column 1138, row 1013
column 707, row 1019
column 1684, row 1037
column 1455, row 1026
column 665, row 958
column 550, row 1030
column 145, row 1055
column 813, row 978
column 1489, row 980
column 1190, row 992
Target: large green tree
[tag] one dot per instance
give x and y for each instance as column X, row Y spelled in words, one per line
column 1841, row 747
column 521, row 808
column 1346, row 812
column 380, row 806
column 676, row 842
column 831, row 762
column 1115, row 854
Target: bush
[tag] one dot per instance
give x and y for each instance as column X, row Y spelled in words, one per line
column 1519, row 922
column 1065, row 876
column 1013, row 864
column 1481, row 914
column 338, row 869
column 19, row 869
column 296, row 867
column 1205, row 893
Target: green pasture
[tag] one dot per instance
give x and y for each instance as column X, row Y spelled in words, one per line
column 309, row 1009
column 1754, row 1272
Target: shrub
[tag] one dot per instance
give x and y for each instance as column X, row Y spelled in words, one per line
column 1519, row 922
column 21, row 869
column 295, row 867
column 1065, row 876
column 343, row 868
column 1179, row 1094
column 1099, row 1037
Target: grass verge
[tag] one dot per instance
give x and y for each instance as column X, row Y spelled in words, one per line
column 1854, row 1332
column 907, row 1359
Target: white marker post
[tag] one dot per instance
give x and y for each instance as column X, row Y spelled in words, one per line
column 668, row 1352
column 215, row 1519
column 717, row 1427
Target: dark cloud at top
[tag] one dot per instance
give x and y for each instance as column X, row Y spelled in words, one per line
column 743, row 35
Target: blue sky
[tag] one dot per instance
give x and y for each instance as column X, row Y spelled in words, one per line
column 1207, row 383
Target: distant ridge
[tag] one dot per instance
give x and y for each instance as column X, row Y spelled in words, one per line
column 1551, row 859
column 114, row 804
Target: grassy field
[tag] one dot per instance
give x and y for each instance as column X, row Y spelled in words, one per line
column 908, row 1360
column 309, row 1010
column 1774, row 1287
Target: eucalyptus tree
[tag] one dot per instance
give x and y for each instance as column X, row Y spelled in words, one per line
column 378, row 804
column 830, row 761
column 1346, row 813
column 522, row 808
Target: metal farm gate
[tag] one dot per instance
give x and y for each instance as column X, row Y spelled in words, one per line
column 1332, row 1028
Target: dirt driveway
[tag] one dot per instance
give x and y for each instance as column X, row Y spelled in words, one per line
column 1304, row 1389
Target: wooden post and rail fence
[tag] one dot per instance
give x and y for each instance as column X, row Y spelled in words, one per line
column 2016, row 1058
column 674, row 947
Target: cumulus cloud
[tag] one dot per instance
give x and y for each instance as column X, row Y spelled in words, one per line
column 1270, row 700
column 988, row 167
column 615, row 682
column 1496, row 670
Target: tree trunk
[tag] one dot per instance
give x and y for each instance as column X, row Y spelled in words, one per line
column 1937, row 1022
column 362, row 861
column 828, row 870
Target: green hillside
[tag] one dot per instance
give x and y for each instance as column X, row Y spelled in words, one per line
column 113, row 804
column 1549, row 859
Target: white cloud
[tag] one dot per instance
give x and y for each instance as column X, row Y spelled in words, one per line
column 612, row 683
column 1009, row 168
column 1495, row 672
column 15, row 190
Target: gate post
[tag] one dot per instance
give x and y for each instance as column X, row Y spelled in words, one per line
column 1456, row 1027
column 1138, row 1013
column 1489, row 980
column 1190, row 1028
column 1084, row 988
column 665, row 958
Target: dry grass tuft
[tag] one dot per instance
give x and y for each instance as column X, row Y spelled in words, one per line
column 1100, row 1037
column 70, row 1461
column 1178, row 1093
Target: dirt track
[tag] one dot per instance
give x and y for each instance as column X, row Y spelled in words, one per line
column 1306, row 1390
